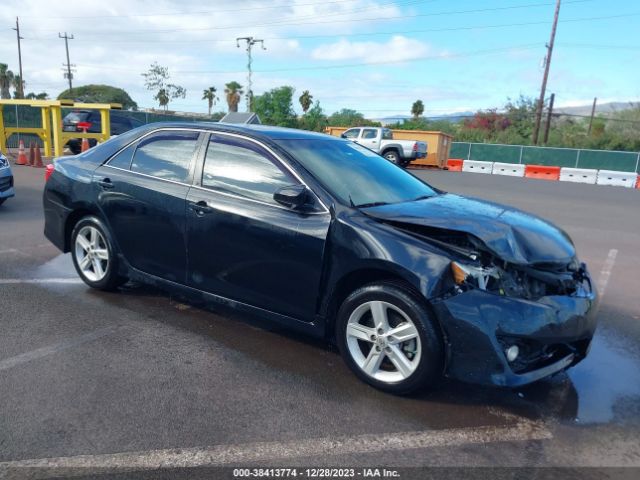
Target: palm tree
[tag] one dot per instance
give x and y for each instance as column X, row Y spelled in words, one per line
column 6, row 81
column 18, row 87
column 417, row 109
column 210, row 96
column 233, row 91
column 306, row 99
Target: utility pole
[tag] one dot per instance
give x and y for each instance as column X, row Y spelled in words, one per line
column 593, row 113
column 68, row 75
column 536, row 129
column 549, row 113
column 250, row 43
column 21, row 86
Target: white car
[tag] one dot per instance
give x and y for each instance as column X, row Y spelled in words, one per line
column 6, row 179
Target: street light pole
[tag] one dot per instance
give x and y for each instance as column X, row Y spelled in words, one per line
column 250, row 43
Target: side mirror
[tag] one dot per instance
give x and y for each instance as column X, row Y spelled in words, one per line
column 343, row 135
column 293, row 196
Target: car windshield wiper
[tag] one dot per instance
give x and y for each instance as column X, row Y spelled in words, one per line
column 371, row 204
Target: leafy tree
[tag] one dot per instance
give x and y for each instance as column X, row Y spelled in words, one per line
column 100, row 94
column 314, row 119
column 209, row 95
column 306, row 100
column 417, row 109
column 233, row 92
column 275, row 107
column 350, row 118
column 6, row 81
column 156, row 79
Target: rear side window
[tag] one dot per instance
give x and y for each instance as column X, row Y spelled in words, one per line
column 369, row 133
column 387, row 134
column 166, row 155
column 123, row 159
column 243, row 170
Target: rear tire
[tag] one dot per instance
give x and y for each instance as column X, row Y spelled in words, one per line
column 389, row 339
column 94, row 255
column 393, row 157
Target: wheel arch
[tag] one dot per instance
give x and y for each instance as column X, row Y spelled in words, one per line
column 73, row 218
column 351, row 281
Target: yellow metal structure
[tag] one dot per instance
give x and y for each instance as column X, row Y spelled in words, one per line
column 438, row 144
column 51, row 132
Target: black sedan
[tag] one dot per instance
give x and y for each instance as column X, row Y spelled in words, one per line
column 326, row 237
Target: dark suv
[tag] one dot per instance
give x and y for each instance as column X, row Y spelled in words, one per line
column 78, row 120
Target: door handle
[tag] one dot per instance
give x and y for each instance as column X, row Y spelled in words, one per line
column 105, row 183
column 200, row 207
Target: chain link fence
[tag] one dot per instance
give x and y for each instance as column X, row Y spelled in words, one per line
column 548, row 156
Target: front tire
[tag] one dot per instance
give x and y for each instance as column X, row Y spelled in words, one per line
column 389, row 339
column 94, row 255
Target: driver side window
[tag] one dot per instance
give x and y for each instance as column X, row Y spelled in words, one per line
column 242, row 169
column 351, row 134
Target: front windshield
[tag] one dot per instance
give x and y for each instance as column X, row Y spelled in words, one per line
column 356, row 175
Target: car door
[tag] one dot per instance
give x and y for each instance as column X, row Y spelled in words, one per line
column 142, row 193
column 245, row 246
column 369, row 139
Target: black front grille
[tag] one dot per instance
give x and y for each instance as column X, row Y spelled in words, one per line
column 6, row 183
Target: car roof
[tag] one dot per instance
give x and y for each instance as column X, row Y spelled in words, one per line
column 256, row 131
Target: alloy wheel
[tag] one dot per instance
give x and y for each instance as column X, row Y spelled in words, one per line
column 383, row 341
column 92, row 253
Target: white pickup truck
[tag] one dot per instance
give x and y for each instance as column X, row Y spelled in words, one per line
column 380, row 140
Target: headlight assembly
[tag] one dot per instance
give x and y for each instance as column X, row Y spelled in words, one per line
column 477, row 276
column 4, row 162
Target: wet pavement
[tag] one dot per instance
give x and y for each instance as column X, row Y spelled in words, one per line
column 94, row 373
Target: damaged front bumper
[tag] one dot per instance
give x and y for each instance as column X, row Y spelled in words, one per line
column 552, row 334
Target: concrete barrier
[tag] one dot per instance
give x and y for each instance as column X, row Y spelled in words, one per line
column 510, row 169
column 578, row 175
column 542, row 172
column 477, row 166
column 617, row 179
column 454, row 164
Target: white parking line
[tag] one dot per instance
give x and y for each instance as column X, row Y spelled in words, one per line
column 605, row 273
column 16, row 281
column 254, row 452
column 11, row 362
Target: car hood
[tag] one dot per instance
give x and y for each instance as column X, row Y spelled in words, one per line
column 511, row 234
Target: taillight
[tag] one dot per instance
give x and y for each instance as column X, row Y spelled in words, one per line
column 84, row 125
column 415, row 147
column 48, row 171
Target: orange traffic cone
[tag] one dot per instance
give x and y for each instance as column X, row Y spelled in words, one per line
column 32, row 154
column 38, row 158
column 22, row 157
column 85, row 142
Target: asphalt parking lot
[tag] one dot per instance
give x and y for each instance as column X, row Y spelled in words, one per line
column 138, row 378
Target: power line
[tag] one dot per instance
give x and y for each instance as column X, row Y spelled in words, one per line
column 212, row 12
column 402, row 32
column 349, row 65
column 387, row 18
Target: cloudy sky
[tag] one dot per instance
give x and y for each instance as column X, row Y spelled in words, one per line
column 376, row 56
